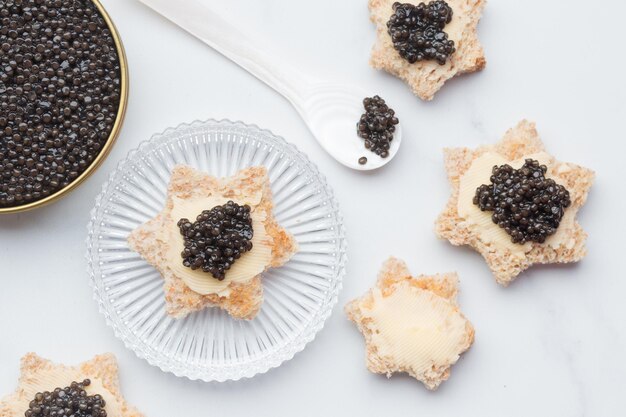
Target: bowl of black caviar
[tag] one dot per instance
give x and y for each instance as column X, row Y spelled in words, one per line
column 63, row 97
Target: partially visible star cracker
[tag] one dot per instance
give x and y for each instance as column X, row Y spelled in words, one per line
column 412, row 324
column 241, row 299
column 40, row 375
column 461, row 225
column 425, row 78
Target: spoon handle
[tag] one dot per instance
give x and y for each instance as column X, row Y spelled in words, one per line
column 197, row 19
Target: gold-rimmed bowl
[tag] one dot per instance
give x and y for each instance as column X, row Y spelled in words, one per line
column 115, row 131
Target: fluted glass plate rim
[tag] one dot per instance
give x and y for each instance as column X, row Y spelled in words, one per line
column 218, row 372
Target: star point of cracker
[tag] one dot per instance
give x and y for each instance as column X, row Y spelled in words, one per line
column 37, row 373
column 424, row 345
column 244, row 299
column 425, row 78
column 521, row 141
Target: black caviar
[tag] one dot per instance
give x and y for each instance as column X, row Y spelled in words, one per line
column 217, row 238
column 362, row 160
column 377, row 126
column 526, row 204
column 417, row 31
column 71, row 401
column 59, row 94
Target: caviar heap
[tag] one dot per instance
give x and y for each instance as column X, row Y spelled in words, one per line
column 377, row 126
column 417, row 31
column 217, row 238
column 526, row 204
column 59, row 94
column 70, row 401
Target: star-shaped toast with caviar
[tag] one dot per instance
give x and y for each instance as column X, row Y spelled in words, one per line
column 412, row 324
column 426, row 44
column 213, row 240
column 515, row 204
column 47, row 389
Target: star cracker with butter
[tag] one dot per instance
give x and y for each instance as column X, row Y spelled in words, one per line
column 426, row 77
column 412, row 324
column 463, row 223
column 39, row 375
column 159, row 242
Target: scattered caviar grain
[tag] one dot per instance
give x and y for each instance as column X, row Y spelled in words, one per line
column 217, row 238
column 526, row 204
column 362, row 160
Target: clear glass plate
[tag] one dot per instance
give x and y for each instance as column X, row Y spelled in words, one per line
column 210, row 345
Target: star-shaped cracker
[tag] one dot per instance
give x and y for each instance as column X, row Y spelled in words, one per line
column 506, row 259
column 39, row 375
column 426, row 77
column 412, row 324
column 241, row 299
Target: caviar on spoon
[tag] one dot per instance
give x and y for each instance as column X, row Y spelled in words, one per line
column 377, row 126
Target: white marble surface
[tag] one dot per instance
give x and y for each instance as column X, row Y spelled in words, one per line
column 552, row 344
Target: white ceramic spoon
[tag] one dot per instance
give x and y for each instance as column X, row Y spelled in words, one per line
column 330, row 109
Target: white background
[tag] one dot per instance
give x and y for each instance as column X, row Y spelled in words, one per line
column 552, row 344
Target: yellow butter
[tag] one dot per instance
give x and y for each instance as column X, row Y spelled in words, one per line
column 416, row 328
